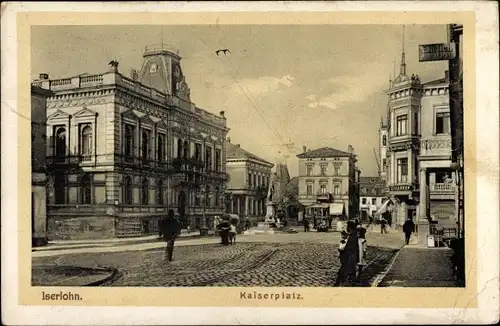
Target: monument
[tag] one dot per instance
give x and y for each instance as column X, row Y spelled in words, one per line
column 270, row 203
column 267, row 225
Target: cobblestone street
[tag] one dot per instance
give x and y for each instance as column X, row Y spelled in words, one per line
column 248, row 263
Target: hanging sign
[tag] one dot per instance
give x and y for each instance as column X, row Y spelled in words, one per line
column 437, row 52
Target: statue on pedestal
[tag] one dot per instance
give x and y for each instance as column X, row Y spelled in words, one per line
column 270, row 204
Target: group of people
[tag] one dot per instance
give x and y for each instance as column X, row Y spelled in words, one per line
column 352, row 250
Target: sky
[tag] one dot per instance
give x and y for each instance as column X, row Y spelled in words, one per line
column 309, row 85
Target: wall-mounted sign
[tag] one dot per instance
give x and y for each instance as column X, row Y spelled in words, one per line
column 436, row 52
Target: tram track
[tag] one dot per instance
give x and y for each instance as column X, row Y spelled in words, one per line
column 230, row 273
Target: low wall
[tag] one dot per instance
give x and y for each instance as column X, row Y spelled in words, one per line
column 80, row 228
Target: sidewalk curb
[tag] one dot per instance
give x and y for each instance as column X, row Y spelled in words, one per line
column 380, row 277
column 113, row 271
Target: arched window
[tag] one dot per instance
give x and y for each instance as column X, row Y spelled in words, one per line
column 145, row 144
column 159, row 193
column 85, row 190
column 179, row 148
column 129, row 140
column 60, row 189
column 127, row 191
column 86, row 140
column 160, row 148
column 145, row 192
column 60, row 142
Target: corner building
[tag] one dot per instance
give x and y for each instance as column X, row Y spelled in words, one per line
column 123, row 150
column 403, row 142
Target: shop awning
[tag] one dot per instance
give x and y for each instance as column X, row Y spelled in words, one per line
column 383, row 208
column 337, row 209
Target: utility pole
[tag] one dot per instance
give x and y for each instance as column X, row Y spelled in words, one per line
column 457, row 121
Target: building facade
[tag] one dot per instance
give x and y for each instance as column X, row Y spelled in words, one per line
column 383, row 146
column 419, row 176
column 249, row 179
column 403, row 130
column 38, row 165
column 329, row 176
column 437, row 178
column 123, row 151
column 372, row 195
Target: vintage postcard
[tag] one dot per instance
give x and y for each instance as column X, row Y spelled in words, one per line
column 254, row 163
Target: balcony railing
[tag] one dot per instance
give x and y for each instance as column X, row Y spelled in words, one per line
column 323, row 196
column 442, row 187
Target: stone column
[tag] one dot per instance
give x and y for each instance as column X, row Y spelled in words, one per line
column 246, row 206
column 423, row 194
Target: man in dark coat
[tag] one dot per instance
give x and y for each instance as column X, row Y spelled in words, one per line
column 408, row 227
column 170, row 230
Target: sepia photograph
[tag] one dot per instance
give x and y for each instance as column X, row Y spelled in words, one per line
column 247, row 156
column 249, row 163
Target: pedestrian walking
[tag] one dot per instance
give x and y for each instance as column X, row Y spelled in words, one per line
column 305, row 222
column 170, row 231
column 362, row 244
column 383, row 225
column 347, row 273
column 408, row 228
column 232, row 234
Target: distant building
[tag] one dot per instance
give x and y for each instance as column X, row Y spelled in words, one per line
column 329, row 176
column 38, row 165
column 123, row 151
column 372, row 195
column 249, row 178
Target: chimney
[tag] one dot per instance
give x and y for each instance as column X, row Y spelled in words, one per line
column 304, row 149
column 447, row 76
column 350, row 149
column 43, row 76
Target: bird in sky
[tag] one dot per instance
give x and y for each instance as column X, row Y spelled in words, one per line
column 222, row 50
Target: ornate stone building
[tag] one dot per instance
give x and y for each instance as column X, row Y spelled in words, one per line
column 249, row 178
column 419, row 175
column 122, row 151
column 38, row 171
column 403, row 130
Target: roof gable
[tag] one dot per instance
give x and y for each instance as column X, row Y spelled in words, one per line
column 58, row 115
column 235, row 152
column 324, row 152
column 85, row 112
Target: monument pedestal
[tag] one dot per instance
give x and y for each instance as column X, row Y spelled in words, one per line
column 270, row 211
